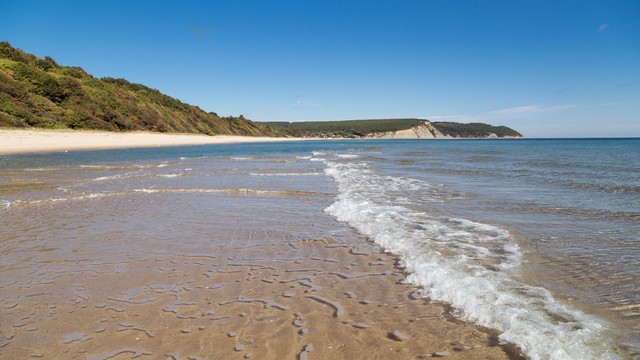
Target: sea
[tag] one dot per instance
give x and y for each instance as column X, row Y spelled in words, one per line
column 537, row 239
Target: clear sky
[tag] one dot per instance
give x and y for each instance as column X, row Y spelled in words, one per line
column 545, row 68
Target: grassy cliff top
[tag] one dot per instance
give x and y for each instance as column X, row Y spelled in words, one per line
column 348, row 128
column 362, row 128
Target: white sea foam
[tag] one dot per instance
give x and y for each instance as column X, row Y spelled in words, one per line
column 44, row 169
column 118, row 176
column 74, row 198
column 104, row 178
column 464, row 263
column 33, row 202
column 147, row 191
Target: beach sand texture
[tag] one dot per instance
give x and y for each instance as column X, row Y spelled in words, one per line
column 25, row 141
column 220, row 265
column 266, row 302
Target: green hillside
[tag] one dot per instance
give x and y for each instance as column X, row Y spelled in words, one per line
column 347, row 128
column 363, row 128
column 38, row 92
column 474, row 130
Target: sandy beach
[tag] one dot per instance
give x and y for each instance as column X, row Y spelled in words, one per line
column 14, row 141
column 307, row 299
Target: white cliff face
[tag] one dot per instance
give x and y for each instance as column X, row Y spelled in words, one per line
column 422, row 131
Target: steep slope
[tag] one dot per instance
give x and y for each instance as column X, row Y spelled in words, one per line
column 425, row 130
column 37, row 92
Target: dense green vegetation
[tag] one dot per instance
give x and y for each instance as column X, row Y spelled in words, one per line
column 38, row 92
column 347, row 128
column 363, row 128
column 474, row 130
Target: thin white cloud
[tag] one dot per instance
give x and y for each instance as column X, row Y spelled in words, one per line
column 520, row 111
column 511, row 113
column 603, row 27
column 302, row 102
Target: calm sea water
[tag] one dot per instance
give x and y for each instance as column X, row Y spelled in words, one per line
column 539, row 239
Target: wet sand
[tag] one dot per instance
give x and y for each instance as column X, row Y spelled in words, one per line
column 267, row 302
column 28, row 141
column 195, row 269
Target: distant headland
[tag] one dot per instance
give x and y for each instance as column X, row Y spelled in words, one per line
column 395, row 129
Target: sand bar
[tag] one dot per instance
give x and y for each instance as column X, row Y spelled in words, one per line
column 14, row 141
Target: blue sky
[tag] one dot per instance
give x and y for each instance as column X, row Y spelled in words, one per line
column 545, row 68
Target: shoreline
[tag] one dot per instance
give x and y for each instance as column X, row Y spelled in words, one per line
column 179, row 259
column 194, row 258
column 292, row 255
column 19, row 141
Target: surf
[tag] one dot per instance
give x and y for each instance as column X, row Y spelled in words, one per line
column 470, row 265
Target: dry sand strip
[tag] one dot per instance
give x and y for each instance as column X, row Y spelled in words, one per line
column 29, row 141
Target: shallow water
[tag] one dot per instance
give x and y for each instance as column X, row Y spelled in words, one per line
column 535, row 238
column 570, row 206
column 129, row 254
